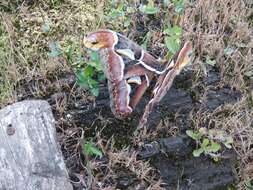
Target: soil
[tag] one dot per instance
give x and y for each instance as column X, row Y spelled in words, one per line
column 170, row 152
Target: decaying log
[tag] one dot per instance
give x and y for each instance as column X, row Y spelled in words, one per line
column 30, row 158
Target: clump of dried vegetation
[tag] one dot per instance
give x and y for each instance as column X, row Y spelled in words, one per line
column 221, row 32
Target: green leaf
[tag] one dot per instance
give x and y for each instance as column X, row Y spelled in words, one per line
column 95, row 61
column 89, row 149
column 205, row 143
column 88, row 72
column 228, row 51
column 94, row 56
column 172, row 44
column 196, row 136
column 97, row 66
column 95, row 91
column 198, row 152
column 210, row 62
column 101, row 77
column 179, row 6
column 215, row 147
column 116, row 13
column 177, row 30
column 149, row 9
column 92, row 83
column 81, row 79
column 174, row 31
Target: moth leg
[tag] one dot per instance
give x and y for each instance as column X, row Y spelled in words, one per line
column 141, row 90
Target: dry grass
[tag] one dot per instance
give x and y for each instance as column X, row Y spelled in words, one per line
column 217, row 25
column 25, row 46
column 213, row 26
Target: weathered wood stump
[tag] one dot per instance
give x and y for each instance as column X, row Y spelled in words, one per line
column 30, row 158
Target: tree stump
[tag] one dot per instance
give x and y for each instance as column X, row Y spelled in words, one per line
column 30, row 157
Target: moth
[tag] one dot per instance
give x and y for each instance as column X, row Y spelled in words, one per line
column 127, row 65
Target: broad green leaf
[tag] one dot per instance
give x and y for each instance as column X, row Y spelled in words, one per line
column 89, row 149
column 177, row 30
column 92, row 83
column 195, row 136
column 81, row 79
column 88, row 72
column 96, row 65
column 198, row 152
column 205, row 143
column 215, row 147
column 174, row 31
column 172, row 44
column 95, row 61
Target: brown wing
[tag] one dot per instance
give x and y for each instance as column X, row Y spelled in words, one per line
column 141, row 57
column 165, row 81
column 112, row 64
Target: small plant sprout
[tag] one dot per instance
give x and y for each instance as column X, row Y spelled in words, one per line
column 173, row 39
column 91, row 75
column 90, row 149
column 179, row 6
column 209, row 142
column 150, row 8
column 121, row 11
